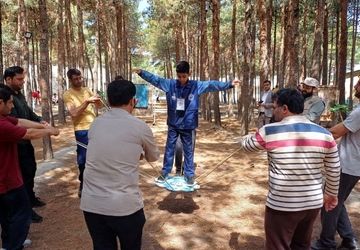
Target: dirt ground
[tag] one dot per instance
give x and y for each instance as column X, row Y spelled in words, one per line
column 226, row 213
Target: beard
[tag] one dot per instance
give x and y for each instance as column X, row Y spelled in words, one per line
column 306, row 94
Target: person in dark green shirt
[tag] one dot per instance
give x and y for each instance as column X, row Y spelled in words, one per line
column 15, row 78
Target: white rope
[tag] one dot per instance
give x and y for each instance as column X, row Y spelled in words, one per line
column 218, row 165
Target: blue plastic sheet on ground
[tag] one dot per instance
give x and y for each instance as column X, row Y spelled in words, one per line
column 177, row 184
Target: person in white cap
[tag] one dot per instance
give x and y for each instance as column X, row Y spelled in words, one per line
column 314, row 106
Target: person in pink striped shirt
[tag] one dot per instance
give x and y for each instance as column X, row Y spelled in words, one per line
column 298, row 150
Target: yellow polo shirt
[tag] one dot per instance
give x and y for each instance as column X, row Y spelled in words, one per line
column 76, row 98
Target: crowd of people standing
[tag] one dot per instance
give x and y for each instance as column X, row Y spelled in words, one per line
column 309, row 173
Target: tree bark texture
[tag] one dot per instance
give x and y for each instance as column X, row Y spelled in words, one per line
column 44, row 76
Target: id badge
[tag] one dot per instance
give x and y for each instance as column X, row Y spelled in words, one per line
column 180, row 104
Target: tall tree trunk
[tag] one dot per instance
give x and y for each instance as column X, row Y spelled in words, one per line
column 1, row 51
column 342, row 50
column 331, row 54
column 304, row 44
column 61, row 63
column 22, row 51
column 233, row 52
column 291, row 38
column 204, row 62
column 337, row 35
column 245, row 97
column 265, row 16
column 33, row 65
column 318, row 40
column 281, row 64
column 103, row 30
column 119, row 37
column 354, row 35
column 216, row 58
column 252, row 73
column 125, row 50
column 325, row 47
column 44, row 76
column 81, row 39
column 98, row 47
column 177, row 38
column 21, row 28
column 50, row 78
column 274, row 64
column 69, row 36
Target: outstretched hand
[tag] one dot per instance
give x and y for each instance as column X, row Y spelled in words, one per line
column 54, row 131
column 136, row 70
column 236, row 82
column 330, row 202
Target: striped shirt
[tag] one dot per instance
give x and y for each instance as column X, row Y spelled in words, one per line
column 297, row 150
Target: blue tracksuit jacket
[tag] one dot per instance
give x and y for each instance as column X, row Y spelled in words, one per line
column 187, row 119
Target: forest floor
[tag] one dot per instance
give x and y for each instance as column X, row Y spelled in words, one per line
column 227, row 212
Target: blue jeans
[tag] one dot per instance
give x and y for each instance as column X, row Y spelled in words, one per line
column 82, row 137
column 186, row 136
column 15, row 218
column 338, row 218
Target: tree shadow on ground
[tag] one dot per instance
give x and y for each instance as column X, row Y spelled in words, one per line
column 236, row 244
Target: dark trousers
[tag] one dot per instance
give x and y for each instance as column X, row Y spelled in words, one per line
column 28, row 167
column 338, row 218
column 82, row 137
column 104, row 230
column 186, row 136
column 289, row 230
column 179, row 153
column 15, row 218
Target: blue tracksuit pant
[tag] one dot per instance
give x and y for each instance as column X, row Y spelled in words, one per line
column 186, row 136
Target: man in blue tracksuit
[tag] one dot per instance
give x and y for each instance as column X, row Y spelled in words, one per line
column 182, row 96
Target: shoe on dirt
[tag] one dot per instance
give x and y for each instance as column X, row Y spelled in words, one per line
column 161, row 178
column 189, row 180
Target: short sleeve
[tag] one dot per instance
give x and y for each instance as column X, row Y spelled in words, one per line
column 352, row 122
column 67, row 98
column 9, row 131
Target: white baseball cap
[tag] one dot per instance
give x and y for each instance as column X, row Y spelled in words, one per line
column 312, row 82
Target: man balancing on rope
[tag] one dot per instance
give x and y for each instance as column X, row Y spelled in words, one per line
column 182, row 96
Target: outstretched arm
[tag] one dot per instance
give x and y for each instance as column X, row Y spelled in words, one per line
column 159, row 82
column 36, row 130
column 36, row 133
column 212, row 85
column 30, row 124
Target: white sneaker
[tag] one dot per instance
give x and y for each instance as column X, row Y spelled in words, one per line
column 27, row 243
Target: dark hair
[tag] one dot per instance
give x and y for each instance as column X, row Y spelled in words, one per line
column 119, row 77
column 267, row 81
column 73, row 72
column 13, row 71
column 183, row 67
column 292, row 98
column 120, row 92
column 5, row 92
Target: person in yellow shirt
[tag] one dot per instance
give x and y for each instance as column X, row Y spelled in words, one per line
column 81, row 104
